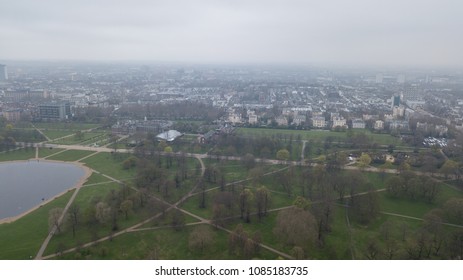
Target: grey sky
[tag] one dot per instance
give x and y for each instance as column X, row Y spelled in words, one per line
column 353, row 32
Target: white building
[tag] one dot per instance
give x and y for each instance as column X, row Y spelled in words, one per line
column 318, row 122
column 169, row 136
column 358, row 123
column 299, row 119
column 252, row 118
column 281, row 120
column 339, row 122
column 234, row 118
column 379, row 125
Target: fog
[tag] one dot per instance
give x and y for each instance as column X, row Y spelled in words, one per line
column 339, row 32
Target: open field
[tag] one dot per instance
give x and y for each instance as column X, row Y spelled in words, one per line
column 70, row 155
column 316, row 135
column 18, row 154
column 157, row 239
column 65, row 126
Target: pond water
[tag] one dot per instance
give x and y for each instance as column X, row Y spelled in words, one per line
column 26, row 184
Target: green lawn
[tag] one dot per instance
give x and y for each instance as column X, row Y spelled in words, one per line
column 55, row 134
column 19, row 154
column 22, row 239
column 110, row 164
column 87, row 138
column 70, row 155
column 159, row 244
column 317, row 135
column 66, row 126
column 44, row 152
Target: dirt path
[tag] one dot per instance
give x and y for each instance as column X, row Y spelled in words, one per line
column 79, row 185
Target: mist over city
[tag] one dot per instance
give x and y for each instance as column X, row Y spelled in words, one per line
column 231, row 130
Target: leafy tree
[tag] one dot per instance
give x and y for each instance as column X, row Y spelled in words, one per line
column 450, row 167
column 126, row 207
column 262, row 201
column 283, row 154
column 364, row 160
column 366, row 207
column 129, row 163
column 454, row 210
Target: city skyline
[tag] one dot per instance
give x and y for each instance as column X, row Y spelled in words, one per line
column 358, row 33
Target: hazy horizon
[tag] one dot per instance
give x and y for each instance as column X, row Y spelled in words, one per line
column 357, row 33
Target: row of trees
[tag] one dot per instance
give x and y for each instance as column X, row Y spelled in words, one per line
column 414, row 187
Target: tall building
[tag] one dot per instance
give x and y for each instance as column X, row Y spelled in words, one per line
column 3, row 73
column 55, row 111
column 396, row 100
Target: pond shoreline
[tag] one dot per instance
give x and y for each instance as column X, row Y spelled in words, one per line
column 80, row 183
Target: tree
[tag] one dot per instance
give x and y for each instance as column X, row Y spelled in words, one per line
column 126, row 207
column 454, row 210
column 79, row 135
column 249, row 161
column 283, row 154
column 366, row 207
column 372, row 249
column 432, row 223
column 178, row 220
column 201, row 238
column 129, row 163
column 455, row 246
column 296, row 227
column 237, row 240
column 262, row 201
column 74, row 217
column 102, row 212
column 54, row 216
column 245, row 201
column 298, row 253
column 364, row 160
column 450, row 167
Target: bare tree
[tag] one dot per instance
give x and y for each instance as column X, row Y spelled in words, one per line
column 201, row 238
column 296, row 227
column 74, row 217
column 54, row 216
column 246, row 198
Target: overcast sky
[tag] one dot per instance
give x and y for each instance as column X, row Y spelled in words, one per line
column 345, row 32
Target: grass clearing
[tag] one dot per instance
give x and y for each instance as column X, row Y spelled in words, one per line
column 19, row 154
column 21, row 239
column 71, row 155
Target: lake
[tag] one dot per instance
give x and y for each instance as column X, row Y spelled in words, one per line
column 27, row 184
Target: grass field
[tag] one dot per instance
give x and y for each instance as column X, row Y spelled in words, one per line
column 44, row 152
column 344, row 241
column 65, row 126
column 110, row 164
column 55, row 134
column 70, row 155
column 88, row 138
column 317, row 135
column 22, row 239
column 19, row 154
